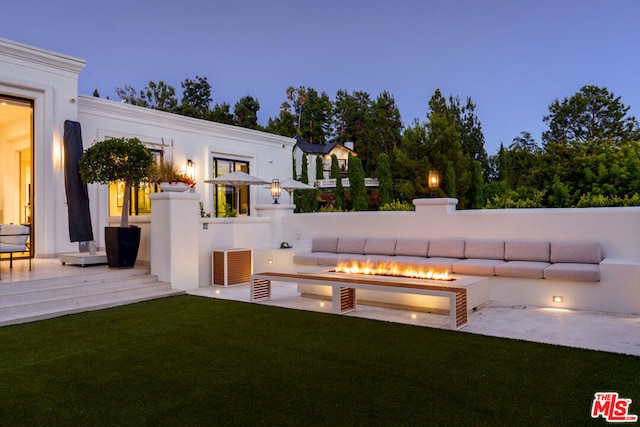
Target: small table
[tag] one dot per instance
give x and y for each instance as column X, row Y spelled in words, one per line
column 344, row 290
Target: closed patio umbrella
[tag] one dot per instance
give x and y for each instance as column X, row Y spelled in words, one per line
column 237, row 180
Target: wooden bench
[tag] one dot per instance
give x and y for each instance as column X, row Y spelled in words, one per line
column 344, row 290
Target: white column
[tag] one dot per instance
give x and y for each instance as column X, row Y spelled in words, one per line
column 277, row 214
column 435, row 205
column 174, row 238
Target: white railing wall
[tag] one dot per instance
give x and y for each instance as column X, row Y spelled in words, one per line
column 181, row 242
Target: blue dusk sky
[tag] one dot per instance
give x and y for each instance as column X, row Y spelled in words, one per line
column 512, row 57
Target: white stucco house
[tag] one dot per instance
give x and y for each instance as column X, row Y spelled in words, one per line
column 39, row 92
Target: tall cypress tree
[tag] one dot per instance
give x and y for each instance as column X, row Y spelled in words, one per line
column 356, row 182
column 384, row 179
column 449, row 185
column 304, row 202
column 338, row 193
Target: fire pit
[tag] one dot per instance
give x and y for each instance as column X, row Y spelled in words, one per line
column 391, row 269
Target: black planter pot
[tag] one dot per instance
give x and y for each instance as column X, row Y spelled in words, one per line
column 122, row 245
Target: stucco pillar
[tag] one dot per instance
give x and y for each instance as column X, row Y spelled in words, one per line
column 277, row 214
column 174, row 238
column 435, row 205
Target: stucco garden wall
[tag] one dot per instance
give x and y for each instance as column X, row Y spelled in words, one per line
column 615, row 228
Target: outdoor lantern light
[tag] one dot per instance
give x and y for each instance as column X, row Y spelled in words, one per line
column 191, row 169
column 275, row 190
column 434, row 181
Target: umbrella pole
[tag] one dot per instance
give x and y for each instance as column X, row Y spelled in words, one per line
column 237, row 201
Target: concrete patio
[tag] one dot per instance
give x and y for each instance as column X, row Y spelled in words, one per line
column 591, row 330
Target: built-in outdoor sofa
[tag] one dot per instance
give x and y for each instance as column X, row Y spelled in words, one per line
column 577, row 261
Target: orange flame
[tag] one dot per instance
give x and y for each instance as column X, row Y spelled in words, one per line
column 390, row 269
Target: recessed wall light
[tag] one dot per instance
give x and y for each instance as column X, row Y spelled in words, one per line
column 558, row 298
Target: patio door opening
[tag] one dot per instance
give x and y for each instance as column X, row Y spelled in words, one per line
column 16, row 162
column 225, row 197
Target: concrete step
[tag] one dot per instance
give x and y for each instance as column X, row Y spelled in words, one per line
column 86, row 275
column 42, row 299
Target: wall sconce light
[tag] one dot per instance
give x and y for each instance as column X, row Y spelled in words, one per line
column 275, row 190
column 558, row 298
column 191, row 169
column 434, row 181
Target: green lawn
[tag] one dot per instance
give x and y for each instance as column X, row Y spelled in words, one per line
column 198, row 361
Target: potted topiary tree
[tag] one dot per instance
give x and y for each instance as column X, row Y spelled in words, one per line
column 111, row 160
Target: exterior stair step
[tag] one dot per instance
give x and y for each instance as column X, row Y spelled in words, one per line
column 27, row 301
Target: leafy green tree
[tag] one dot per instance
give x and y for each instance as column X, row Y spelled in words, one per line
column 312, row 112
column 129, row 95
column 386, row 130
column 449, row 184
column 158, row 96
column 584, row 148
column 221, row 113
column 476, row 191
column 315, row 120
column 592, row 114
column 245, row 112
column 356, row 183
column 338, row 201
column 470, row 128
column 297, row 99
column 385, row 180
column 284, row 124
column 444, row 146
column 353, row 120
column 196, row 98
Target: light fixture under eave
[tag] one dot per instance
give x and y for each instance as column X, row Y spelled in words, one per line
column 275, row 190
column 558, row 298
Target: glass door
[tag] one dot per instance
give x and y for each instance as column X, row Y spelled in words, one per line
column 16, row 161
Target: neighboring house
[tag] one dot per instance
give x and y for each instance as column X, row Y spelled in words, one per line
column 325, row 151
column 39, row 91
column 341, row 151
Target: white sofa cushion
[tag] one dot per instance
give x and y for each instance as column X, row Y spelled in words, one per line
column 525, row 269
column 484, row 249
column 526, row 250
column 351, row 245
column 576, row 272
column 324, row 244
column 477, row 266
column 576, row 252
column 446, row 248
column 380, row 246
column 412, row 247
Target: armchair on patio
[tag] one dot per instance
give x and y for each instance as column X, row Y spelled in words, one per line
column 14, row 238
